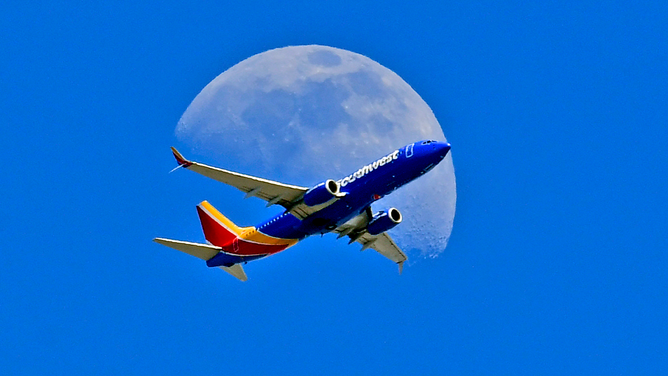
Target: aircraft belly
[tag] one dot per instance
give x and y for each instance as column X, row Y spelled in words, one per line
column 359, row 195
column 338, row 213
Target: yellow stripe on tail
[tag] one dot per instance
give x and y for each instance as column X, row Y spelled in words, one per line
column 223, row 235
column 221, row 218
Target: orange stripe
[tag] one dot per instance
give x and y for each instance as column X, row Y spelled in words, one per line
column 254, row 235
column 251, row 233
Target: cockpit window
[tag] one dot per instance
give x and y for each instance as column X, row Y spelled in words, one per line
column 428, row 142
column 409, row 150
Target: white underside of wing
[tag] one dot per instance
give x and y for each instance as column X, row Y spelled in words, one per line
column 384, row 245
column 286, row 195
column 301, row 210
column 268, row 190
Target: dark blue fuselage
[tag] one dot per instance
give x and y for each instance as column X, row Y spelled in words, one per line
column 362, row 187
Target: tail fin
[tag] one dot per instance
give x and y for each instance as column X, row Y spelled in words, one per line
column 218, row 230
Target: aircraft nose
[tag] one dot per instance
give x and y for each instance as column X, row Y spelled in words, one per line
column 442, row 148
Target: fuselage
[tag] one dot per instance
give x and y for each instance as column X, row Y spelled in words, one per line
column 361, row 188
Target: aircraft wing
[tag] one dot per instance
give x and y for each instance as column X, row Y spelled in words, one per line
column 273, row 192
column 384, row 245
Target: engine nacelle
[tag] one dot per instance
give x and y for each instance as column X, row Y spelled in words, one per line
column 383, row 221
column 321, row 193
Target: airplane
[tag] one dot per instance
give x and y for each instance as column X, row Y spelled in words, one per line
column 340, row 206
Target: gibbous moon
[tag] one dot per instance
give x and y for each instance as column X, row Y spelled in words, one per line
column 303, row 114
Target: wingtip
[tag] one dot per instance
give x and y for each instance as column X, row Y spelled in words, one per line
column 180, row 159
column 401, row 267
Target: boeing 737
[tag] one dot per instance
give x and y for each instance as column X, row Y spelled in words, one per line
column 342, row 207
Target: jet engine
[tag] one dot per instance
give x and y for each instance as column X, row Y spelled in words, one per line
column 322, row 193
column 383, row 221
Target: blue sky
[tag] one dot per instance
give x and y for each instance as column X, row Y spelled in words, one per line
column 557, row 261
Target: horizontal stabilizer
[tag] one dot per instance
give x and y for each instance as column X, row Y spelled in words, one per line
column 201, row 251
column 237, row 271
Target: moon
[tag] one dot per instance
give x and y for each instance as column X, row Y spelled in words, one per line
column 303, row 114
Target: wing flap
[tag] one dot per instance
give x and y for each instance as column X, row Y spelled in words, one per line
column 355, row 229
column 384, row 245
column 301, row 210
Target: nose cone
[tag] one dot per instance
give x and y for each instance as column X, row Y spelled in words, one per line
column 442, row 148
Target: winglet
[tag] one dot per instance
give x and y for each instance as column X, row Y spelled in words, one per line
column 179, row 158
column 401, row 267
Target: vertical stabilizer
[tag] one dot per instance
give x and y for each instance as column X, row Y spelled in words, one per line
column 218, row 230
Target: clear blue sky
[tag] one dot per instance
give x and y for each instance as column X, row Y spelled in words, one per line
column 557, row 262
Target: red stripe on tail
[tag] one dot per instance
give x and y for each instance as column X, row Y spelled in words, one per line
column 214, row 231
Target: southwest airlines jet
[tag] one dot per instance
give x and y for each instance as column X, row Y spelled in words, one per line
column 342, row 207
